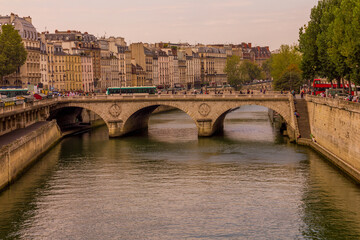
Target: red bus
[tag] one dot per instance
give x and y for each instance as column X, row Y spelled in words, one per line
column 320, row 86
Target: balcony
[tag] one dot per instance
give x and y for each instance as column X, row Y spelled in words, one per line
column 33, row 48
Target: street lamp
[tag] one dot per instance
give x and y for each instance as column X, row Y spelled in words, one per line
column 215, row 81
column 52, row 76
column 63, row 88
column 205, row 78
column 120, row 79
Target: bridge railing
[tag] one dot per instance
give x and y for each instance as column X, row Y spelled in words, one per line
column 25, row 105
column 160, row 96
column 174, row 96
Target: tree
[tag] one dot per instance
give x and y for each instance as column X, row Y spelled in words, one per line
column 232, row 69
column 307, row 44
column 239, row 72
column 266, row 68
column 345, row 48
column 327, row 67
column 291, row 79
column 12, row 51
column 249, row 71
column 289, row 58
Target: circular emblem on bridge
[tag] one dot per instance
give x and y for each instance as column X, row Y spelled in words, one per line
column 115, row 110
column 204, row 109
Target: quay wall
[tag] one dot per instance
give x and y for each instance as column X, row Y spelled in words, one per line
column 17, row 156
column 335, row 125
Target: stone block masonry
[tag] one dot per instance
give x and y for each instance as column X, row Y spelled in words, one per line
column 335, row 124
column 17, row 156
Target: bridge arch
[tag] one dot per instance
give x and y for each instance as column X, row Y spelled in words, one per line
column 282, row 108
column 138, row 117
column 69, row 113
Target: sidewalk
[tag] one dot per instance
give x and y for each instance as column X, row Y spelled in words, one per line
column 18, row 133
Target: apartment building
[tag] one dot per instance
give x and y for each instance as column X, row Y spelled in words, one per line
column 87, row 73
column 28, row 73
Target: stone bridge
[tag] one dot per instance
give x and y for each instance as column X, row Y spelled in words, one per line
column 129, row 113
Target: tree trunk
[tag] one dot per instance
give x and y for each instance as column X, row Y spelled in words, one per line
column 338, row 82
column 343, row 84
column 350, row 90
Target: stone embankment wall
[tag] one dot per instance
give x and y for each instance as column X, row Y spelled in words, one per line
column 17, row 156
column 335, row 124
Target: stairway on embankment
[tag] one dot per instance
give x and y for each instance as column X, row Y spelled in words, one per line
column 303, row 120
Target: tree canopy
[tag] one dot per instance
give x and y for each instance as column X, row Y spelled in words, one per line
column 330, row 42
column 250, row 71
column 232, row 70
column 12, row 51
column 285, row 68
column 291, row 79
column 239, row 72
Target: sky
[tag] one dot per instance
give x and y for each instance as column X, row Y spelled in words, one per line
column 260, row 22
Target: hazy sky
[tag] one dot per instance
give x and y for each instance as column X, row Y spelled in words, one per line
column 261, row 22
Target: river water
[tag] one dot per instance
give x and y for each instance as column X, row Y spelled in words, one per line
column 249, row 183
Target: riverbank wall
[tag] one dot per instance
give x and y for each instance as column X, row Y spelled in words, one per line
column 335, row 125
column 20, row 154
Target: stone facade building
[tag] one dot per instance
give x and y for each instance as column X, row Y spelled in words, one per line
column 87, row 73
column 213, row 62
column 29, row 73
column 61, row 61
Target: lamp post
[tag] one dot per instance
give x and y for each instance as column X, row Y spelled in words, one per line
column 206, row 82
column 63, row 88
column 215, row 72
column 120, row 79
column 52, row 76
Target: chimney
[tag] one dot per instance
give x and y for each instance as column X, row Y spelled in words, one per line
column 12, row 17
column 28, row 19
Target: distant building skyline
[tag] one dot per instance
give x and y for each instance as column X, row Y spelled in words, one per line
column 262, row 22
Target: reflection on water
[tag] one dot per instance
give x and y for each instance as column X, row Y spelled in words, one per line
column 249, row 183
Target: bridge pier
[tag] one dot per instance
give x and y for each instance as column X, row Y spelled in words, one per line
column 206, row 128
column 115, row 128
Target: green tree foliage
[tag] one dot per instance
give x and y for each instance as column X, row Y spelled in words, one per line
column 345, row 48
column 239, row 72
column 285, row 62
column 327, row 67
column 232, row 69
column 266, row 68
column 250, row 71
column 330, row 42
column 12, row 51
column 307, row 44
column 291, row 79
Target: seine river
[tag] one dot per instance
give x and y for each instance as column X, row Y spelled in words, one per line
column 249, row 183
